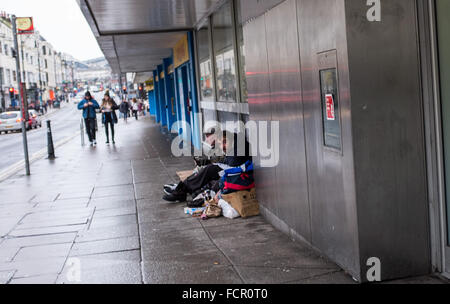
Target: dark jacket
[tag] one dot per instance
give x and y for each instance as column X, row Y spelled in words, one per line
column 89, row 112
column 113, row 113
column 241, row 154
column 124, row 107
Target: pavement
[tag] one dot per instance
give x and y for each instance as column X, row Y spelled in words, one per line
column 95, row 215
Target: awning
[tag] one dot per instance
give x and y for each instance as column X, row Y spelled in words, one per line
column 135, row 35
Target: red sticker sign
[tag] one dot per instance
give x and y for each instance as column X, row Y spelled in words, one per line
column 331, row 115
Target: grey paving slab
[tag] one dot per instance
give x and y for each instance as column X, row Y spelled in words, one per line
column 279, row 275
column 111, row 203
column 31, row 268
column 36, row 280
column 162, row 213
column 336, row 278
column 129, row 210
column 7, row 253
column 121, row 273
column 114, row 232
column 183, row 273
column 43, row 252
column 53, row 223
column 126, row 191
column 104, row 222
column 46, row 231
column 104, row 246
column 169, row 226
column 38, row 240
column 6, row 276
column 191, row 246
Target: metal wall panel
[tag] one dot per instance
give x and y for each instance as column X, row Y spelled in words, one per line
column 285, row 85
column 389, row 138
column 332, row 194
column 255, row 8
column 258, row 85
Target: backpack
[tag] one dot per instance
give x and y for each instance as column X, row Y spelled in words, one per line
column 238, row 179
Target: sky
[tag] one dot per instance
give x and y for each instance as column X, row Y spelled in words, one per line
column 60, row 22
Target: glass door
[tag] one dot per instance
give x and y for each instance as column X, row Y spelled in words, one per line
column 443, row 40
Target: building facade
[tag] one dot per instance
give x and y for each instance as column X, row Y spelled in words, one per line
column 360, row 92
column 46, row 72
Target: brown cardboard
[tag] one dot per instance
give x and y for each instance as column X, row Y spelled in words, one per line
column 245, row 202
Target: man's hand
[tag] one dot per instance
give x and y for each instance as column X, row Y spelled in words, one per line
column 86, row 105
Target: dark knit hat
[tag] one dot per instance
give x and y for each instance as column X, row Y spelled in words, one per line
column 88, row 94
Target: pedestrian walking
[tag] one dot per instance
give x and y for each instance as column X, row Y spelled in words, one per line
column 125, row 110
column 109, row 117
column 89, row 106
column 135, row 107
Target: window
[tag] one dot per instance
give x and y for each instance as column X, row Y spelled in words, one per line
column 2, row 78
column 1, row 49
column 14, row 76
column 204, row 57
column 241, row 52
column 6, row 50
column 8, row 77
column 46, row 77
column 46, row 64
column 44, row 50
column 224, row 54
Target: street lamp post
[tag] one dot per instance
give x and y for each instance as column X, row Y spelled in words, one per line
column 38, row 47
column 22, row 110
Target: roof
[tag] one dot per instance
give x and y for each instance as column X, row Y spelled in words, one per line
column 135, row 35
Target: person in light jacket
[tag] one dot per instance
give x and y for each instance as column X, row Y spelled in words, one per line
column 109, row 116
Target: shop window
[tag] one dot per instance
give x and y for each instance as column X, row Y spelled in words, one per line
column 205, row 66
column 241, row 52
column 224, row 54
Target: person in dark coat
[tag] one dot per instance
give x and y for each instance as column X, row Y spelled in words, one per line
column 210, row 173
column 109, row 116
column 125, row 109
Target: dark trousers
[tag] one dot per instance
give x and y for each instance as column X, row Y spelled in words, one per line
column 135, row 113
column 196, row 182
column 90, row 128
column 109, row 124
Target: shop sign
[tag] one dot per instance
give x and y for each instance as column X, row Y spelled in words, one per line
column 181, row 52
column 25, row 25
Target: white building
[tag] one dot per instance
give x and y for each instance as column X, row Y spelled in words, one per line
column 44, row 69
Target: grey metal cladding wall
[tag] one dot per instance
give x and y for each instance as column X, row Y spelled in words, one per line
column 389, row 137
column 331, row 177
column 258, row 86
column 255, row 8
column 286, row 99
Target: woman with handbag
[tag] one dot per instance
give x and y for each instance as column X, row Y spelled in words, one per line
column 109, row 117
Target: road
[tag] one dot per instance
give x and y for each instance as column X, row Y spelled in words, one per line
column 65, row 123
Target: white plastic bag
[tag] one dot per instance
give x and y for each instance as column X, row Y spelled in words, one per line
column 227, row 210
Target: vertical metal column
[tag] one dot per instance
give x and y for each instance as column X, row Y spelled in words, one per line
column 22, row 110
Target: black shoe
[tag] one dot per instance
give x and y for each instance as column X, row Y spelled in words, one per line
column 198, row 203
column 175, row 197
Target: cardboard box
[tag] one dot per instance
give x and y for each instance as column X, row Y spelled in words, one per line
column 244, row 202
column 183, row 175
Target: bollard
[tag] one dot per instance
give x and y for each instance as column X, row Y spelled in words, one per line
column 51, row 149
column 82, row 131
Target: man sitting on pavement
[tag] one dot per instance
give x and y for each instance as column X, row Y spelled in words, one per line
column 195, row 182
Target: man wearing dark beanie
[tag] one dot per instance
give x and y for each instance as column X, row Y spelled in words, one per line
column 89, row 105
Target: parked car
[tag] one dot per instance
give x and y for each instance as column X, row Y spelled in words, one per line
column 32, row 121
column 35, row 114
column 11, row 121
